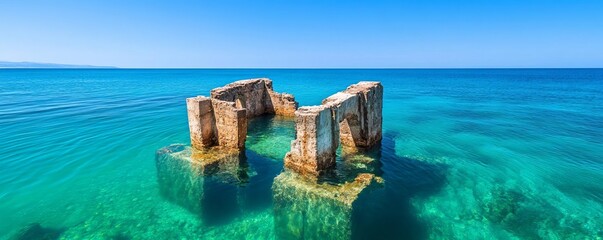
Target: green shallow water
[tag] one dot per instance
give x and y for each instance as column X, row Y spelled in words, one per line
column 466, row 154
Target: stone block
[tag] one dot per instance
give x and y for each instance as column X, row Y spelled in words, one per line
column 312, row 150
column 307, row 210
column 230, row 124
column 204, row 182
column 200, row 121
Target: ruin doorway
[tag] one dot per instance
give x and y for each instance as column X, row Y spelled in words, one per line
column 349, row 133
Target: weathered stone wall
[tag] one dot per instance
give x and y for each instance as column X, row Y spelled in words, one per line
column 352, row 117
column 248, row 94
column 282, row 104
column 222, row 119
column 257, row 96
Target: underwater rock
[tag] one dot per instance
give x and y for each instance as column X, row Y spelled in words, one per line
column 205, row 182
column 222, row 119
column 36, row 231
column 502, row 204
column 305, row 209
column 352, row 117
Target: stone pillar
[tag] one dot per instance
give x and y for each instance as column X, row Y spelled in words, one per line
column 231, row 124
column 200, row 121
column 371, row 95
column 214, row 122
column 312, row 150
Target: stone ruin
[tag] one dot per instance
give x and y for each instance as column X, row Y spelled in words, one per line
column 304, row 208
column 221, row 120
column 218, row 128
column 351, row 117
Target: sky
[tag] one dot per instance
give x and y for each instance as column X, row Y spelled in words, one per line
column 304, row 34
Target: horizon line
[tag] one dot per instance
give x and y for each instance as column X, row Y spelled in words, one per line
column 285, row 68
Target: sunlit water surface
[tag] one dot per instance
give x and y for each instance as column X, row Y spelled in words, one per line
column 466, row 154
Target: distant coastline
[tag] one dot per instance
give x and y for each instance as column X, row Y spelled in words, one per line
column 5, row 64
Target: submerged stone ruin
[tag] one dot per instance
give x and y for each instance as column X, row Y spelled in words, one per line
column 304, row 206
column 352, row 117
column 205, row 178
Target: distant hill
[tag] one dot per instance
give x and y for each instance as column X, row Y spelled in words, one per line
column 4, row 64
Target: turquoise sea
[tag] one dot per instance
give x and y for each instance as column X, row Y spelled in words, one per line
column 466, row 154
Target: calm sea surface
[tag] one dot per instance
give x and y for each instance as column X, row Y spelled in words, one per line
column 466, row 154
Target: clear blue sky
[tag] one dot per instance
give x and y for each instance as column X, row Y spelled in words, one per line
column 287, row 33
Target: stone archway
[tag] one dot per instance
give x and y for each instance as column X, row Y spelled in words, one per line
column 240, row 103
column 349, row 132
column 352, row 118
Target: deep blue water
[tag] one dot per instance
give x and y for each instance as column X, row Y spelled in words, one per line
column 466, row 154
